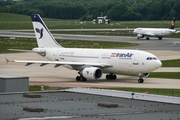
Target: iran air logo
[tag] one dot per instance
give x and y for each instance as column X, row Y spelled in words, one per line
column 121, row 55
column 40, row 31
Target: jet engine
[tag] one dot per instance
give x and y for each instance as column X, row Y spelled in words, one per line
column 91, row 73
column 140, row 36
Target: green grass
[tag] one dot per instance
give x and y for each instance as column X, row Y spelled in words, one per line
column 38, row 88
column 29, row 43
column 171, row 63
column 13, row 17
column 170, row 75
column 15, row 21
column 167, row 92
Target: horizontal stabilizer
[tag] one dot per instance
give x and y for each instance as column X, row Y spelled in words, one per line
column 177, row 32
column 7, row 61
column 20, row 50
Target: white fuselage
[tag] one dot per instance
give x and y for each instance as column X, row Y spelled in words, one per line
column 154, row 31
column 122, row 61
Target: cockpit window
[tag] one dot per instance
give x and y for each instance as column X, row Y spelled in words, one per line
column 151, row 58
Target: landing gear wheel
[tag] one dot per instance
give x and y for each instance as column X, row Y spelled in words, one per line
column 114, row 77
column 147, row 38
column 107, row 77
column 111, row 76
column 77, row 78
column 160, row 38
column 140, row 80
column 82, row 78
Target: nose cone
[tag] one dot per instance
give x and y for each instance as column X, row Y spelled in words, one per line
column 158, row 64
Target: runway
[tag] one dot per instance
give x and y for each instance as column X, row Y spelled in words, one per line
column 152, row 44
column 48, row 75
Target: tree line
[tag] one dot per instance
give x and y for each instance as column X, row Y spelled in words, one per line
column 118, row 10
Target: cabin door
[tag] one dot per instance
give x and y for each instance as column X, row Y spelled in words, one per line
column 136, row 59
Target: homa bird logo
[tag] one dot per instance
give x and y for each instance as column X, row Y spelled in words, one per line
column 40, row 31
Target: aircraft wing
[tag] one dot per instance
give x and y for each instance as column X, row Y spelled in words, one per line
column 58, row 63
column 149, row 34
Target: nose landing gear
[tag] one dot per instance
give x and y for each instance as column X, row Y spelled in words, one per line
column 140, row 80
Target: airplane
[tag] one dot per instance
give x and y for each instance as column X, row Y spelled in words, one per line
column 90, row 63
column 156, row 32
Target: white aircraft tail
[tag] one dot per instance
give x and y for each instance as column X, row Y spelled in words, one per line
column 43, row 35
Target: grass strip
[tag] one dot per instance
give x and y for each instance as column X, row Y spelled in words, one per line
column 171, row 63
column 159, row 91
column 38, row 88
column 29, row 43
column 166, row 75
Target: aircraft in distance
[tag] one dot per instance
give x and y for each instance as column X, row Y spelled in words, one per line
column 156, row 32
column 90, row 63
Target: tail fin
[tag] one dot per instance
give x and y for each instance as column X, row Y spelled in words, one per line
column 43, row 35
column 172, row 25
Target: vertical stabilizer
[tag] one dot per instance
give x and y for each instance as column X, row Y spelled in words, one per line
column 172, row 25
column 43, row 35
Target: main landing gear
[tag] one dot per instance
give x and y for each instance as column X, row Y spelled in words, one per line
column 160, row 38
column 111, row 76
column 80, row 78
column 147, row 38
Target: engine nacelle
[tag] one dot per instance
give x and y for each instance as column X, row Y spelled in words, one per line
column 144, row 74
column 140, row 36
column 91, row 73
